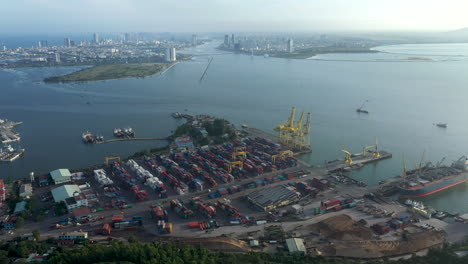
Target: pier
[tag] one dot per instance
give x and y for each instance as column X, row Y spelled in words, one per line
column 358, row 161
column 7, row 134
column 128, row 139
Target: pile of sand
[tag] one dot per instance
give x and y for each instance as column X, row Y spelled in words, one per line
column 342, row 227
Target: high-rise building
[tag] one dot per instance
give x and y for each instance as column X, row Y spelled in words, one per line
column 96, row 38
column 194, row 40
column 226, row 41
column 43, row 44
column 232, row 40
column 39, row 44
column 72, row 43
column 173, row 54
column 168, row 55
column 67, row 42
column 4, row 48
column 57, row 57
column 290, row 46
column 126, row 37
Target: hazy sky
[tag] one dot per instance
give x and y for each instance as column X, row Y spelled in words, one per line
column 230, row 15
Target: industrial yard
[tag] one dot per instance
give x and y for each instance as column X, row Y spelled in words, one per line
column 249, row 193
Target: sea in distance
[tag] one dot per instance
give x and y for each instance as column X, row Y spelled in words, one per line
column 409, row 88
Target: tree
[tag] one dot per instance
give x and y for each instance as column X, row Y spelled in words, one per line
column 36, row 234
column 132, row 239
column 19, row 222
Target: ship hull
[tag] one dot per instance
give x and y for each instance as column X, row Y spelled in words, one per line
column 433, row 187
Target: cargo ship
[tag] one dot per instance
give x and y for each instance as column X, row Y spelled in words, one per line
column 431, row 179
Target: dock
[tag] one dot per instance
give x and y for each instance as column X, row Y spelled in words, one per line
column 7, row 133
column 128, row 139
column 359, row 160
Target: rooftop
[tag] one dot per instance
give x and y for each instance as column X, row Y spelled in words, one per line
column 295, row 245
column 81, row 211
column 65, row 191
column 20, row 207
column 274, row 195
column 60, row 173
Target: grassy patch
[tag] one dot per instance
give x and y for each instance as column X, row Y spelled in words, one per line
column 108, row 72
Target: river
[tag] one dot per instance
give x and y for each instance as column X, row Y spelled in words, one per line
column 406, row 96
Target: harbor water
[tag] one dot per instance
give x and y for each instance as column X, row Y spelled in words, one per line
column 409, row 88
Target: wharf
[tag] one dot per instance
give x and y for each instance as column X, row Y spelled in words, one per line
column 359, row 161
column 7, row 134
column 128, row 139
column 260, row 133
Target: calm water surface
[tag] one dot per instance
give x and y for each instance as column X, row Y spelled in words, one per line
column 405, row 99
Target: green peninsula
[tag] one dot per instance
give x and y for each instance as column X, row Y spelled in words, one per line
column 111, row 71
column 310, row 52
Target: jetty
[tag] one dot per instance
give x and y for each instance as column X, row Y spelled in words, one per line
column 7, row 133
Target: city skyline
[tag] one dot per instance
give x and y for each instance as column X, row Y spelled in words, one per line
column 241, row 16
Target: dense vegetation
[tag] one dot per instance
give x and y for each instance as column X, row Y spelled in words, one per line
column 219, row 131
column 137, row 252
column 108, row 72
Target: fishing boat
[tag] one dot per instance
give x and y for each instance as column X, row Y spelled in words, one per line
column 441, row 125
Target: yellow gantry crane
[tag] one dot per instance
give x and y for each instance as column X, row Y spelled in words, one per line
column 375, row 153
column 295, row 135
column 348, row 155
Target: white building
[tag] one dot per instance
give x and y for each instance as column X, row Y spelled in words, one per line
column 57, row 57
column 290, row 46
column 25, row 190
column 194, row 40
column 73, row 236
column 170, row 55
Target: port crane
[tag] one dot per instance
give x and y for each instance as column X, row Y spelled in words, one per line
column 375, row 153
column 348, row 156
column 295, row 135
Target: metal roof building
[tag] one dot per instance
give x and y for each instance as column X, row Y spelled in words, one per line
column 20, row 207
column 60, row 176
column 296, row 245
column 270, row 198
column 65, row 191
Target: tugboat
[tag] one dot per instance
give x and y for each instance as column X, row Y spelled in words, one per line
column 129, row 132
column 89, row 138
column 360, row 110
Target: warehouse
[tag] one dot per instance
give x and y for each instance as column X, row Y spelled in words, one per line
column 271, row 198
column 63, row 192
column 296, row 246
column 60, row 176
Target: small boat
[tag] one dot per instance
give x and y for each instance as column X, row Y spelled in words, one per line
column 440, row 215
column 176, row 115
column 244, row 126
column 360, row 110
column 441, row 125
